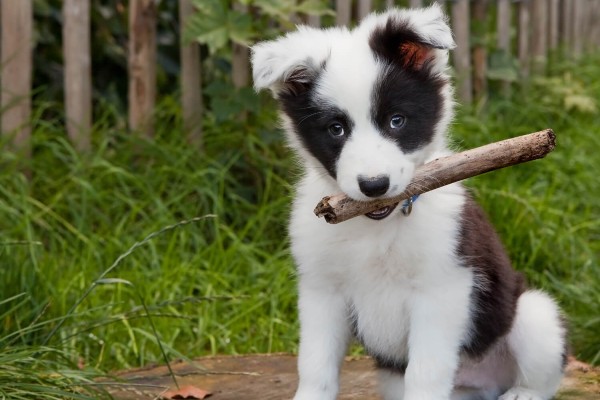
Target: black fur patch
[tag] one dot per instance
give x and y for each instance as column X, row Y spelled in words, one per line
column 498, row 285
column 406, row 87
column 398, row 92
column 311, row 122
column 392, row 365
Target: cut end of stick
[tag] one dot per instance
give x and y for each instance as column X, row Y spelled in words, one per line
column 330, row 206
column 323, row 209
column 551, row 140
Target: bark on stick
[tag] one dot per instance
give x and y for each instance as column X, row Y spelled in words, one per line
column 446, row 170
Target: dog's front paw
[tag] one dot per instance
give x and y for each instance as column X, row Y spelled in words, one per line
column 518, row 393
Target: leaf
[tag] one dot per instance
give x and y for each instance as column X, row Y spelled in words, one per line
column 226, row 101
column 314, row 7
column 240, row 27
column 279, row 9
column 186, row 392
column 502, row 67
column 215, row 24
column 209, row 24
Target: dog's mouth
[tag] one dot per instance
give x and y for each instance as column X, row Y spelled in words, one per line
column 382, row 212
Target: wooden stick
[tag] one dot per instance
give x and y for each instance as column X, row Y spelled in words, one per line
column 446, row 170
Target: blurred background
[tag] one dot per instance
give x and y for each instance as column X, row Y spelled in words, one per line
column 145, row 187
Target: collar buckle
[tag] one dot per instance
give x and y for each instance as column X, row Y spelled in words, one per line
column 408, row 205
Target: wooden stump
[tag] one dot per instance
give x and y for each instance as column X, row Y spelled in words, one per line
column 273, row 377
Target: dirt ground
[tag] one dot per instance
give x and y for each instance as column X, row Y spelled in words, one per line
column 270, row 377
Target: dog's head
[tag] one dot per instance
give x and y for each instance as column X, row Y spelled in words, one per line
column 367, row 105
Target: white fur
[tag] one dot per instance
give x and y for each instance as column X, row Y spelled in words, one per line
column 534, row 340
column 402, row 277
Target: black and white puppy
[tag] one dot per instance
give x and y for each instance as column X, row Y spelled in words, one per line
column 432, row 296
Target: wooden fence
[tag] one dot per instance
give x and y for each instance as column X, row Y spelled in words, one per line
column 542, row 27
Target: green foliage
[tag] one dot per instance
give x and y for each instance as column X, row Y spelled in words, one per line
column 228, row 102
column 217, row 23
column 222, row 285
column 501, row 66
column 35, row 371
column 568, row 92
column 109, row 50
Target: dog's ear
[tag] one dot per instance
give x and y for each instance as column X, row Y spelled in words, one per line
column 412, row 38
column 289, row 64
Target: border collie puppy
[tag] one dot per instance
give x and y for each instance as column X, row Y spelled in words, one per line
column 432, row 296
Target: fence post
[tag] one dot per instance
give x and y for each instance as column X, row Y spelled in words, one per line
column 416, row 3
column 539, row 23
column 191, row 79
column 78, row 72
column 462, row 53
column 314, row 20
column 364, row 8
column 343, row 12
column 589, row 24
column 597, row 18
column 523, row 45
column 503, row 27
column 142, row 65
column 240, row 64
column 597, row 25
column 553, row 18
column 577, row 18
column 16, row 62
column 566, row 26
column 480, row 11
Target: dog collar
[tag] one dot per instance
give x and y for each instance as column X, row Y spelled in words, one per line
column 408, row 205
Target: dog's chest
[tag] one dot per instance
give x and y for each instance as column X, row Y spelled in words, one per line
column 376, row 274
column 380, row 267
column 380, row 316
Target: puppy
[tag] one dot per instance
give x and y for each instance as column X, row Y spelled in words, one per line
column 432, row 296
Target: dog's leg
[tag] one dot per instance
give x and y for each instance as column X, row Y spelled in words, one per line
column 537, row 343
column 324, row 334
column 391, row 384
column 438, row 325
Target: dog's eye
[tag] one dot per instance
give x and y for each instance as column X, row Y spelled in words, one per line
column 336, row 129
column 397, row 121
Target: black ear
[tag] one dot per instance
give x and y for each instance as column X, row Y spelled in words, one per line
column 412, row 38
column 397, row 43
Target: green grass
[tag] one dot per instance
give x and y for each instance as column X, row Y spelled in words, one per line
column 225, row 284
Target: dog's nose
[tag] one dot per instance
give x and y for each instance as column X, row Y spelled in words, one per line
column 375, row 186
